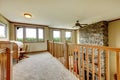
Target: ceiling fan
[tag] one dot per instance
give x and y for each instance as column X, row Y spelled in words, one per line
column 78, row 25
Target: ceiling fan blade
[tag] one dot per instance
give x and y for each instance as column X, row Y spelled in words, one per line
column 73, row 26
column 84, row 24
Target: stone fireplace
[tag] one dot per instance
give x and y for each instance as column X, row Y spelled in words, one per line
column 95, row 34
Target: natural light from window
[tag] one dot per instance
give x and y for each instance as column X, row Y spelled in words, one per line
column 56, row 36
column 40, row 34
column 2, row 30
column 29, row 34
column 19, row 34
column 68, row 36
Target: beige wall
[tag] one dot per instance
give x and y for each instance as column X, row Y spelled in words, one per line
column 114, row 34
column 74, row 36
column 3, row 20
column 114, row 41
column 12, row 31
column 78, row 36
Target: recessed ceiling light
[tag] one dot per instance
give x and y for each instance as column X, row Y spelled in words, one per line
column 27, row 15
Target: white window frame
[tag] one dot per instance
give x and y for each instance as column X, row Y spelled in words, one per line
column 24, row 33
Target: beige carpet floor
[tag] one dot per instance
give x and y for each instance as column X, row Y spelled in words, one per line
column 41, row 66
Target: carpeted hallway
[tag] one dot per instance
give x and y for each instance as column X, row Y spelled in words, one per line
column 41, row 66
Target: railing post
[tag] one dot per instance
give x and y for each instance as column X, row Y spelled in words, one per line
column 53, row 50
column 107, row 64
column 48, row 45
column 99, row 65
column 67, row 56
column 8, row 70
column 118, row 64
column 119, row 67
column 93, row 65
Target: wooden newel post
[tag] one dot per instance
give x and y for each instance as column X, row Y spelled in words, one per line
column 48, row 45
column 53, row 48
column 8, row 67
column 118, row 64
column 67, row 55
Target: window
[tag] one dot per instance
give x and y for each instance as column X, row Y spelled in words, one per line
column 29, row 34
column 19, row 33
column 68, row 36
column 56, row 36
column 40, row 34
column 3, row 30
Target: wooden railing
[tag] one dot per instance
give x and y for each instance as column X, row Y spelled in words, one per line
column 85, row 61
column 93, row 61
column 5, row 68
column 58, row 50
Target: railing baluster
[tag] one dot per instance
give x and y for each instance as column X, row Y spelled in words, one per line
column 93, row 68
column 53, row 49
column 72, row 52
column 83, row 70
column 79, row 64
column 60, row 54
column 99, row 64
column 118, row 65
column 87, row 63
column 107, row 64
column 70, row 60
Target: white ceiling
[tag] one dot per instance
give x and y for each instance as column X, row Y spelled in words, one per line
column 60, row 13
